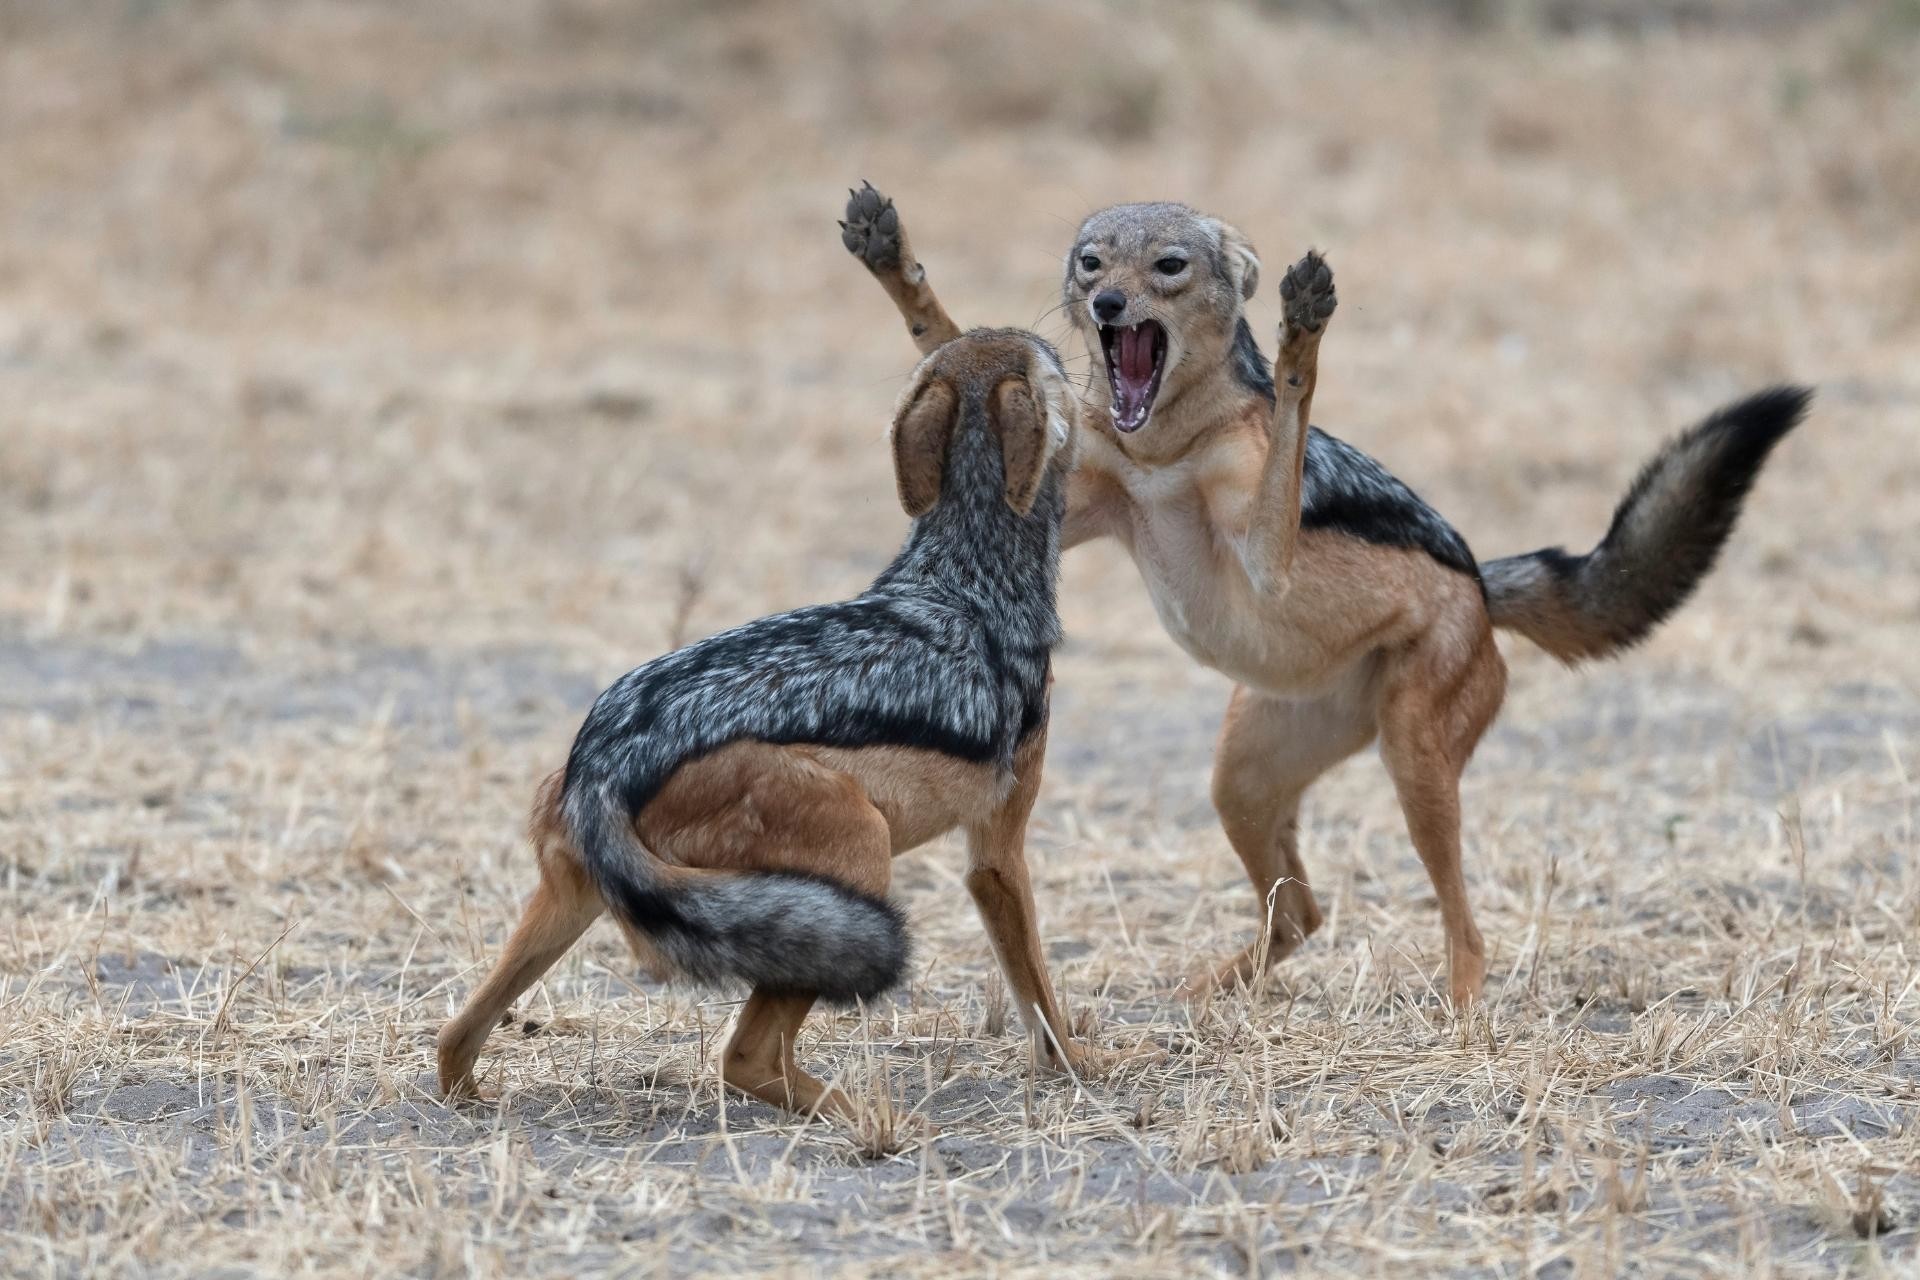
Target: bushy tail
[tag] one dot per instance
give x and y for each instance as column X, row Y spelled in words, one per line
column 782, row 931
column 1666, row 534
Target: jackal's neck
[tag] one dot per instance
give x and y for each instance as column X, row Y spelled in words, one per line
column 975, row 550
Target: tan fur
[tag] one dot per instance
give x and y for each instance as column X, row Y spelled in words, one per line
column 1333, row 641
column 1544, row 616
column 561, row 908
column 834, row 812
column 921, row 433
column 997, row 879
column 924, row 422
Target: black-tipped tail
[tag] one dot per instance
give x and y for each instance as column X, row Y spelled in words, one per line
column 777, row 931
column 1665, row 536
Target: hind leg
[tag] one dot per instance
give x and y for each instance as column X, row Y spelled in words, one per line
column 1271, row 750
column 759, row 1058
column 1439, row 700
column 755, row 807
column 759, row 1061
column 555, row 916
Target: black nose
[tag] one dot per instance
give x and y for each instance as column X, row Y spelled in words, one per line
column 1109, row 304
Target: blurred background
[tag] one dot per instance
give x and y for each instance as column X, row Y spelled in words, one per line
column 385, row 320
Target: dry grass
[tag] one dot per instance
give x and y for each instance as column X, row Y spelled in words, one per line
column 376, row 382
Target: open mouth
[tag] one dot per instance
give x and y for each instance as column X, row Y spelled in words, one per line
column 1136, row 355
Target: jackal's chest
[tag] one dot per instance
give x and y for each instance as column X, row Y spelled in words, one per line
column 1194, row 577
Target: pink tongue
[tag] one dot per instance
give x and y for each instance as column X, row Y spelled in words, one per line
column 1136, row 354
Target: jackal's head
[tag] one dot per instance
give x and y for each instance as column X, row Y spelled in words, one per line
column 1157, row 290
column 1006, row 384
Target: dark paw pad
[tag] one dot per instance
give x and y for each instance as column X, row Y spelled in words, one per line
column 1306, row 293
column 872, row 229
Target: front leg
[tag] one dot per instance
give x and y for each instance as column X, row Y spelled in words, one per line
column 997, row 879
column 1096, row 504
column 1273, row 535
column 872, row 233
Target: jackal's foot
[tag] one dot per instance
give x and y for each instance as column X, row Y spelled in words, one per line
column 872, row 229
column 1306, row 294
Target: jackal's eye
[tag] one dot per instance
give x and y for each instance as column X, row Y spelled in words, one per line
column 1170, row 265
column 1089, row 262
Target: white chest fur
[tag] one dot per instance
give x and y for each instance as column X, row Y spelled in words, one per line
column 1186, row 535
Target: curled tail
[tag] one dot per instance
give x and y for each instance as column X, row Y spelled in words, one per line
column 1666, row 534
column 776, row 930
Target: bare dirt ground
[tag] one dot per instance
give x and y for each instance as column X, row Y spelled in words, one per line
column 376, row 382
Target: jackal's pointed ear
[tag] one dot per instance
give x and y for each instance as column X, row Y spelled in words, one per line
column 922, row 431
column 1243, row 264
column 1021, row 423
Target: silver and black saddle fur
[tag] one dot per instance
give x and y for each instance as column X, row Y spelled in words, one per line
column 948, row 650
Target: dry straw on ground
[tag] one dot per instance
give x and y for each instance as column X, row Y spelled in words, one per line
column 377, row 381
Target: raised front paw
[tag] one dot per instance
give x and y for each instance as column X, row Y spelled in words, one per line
column 1306, row 293
column 871, row 231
